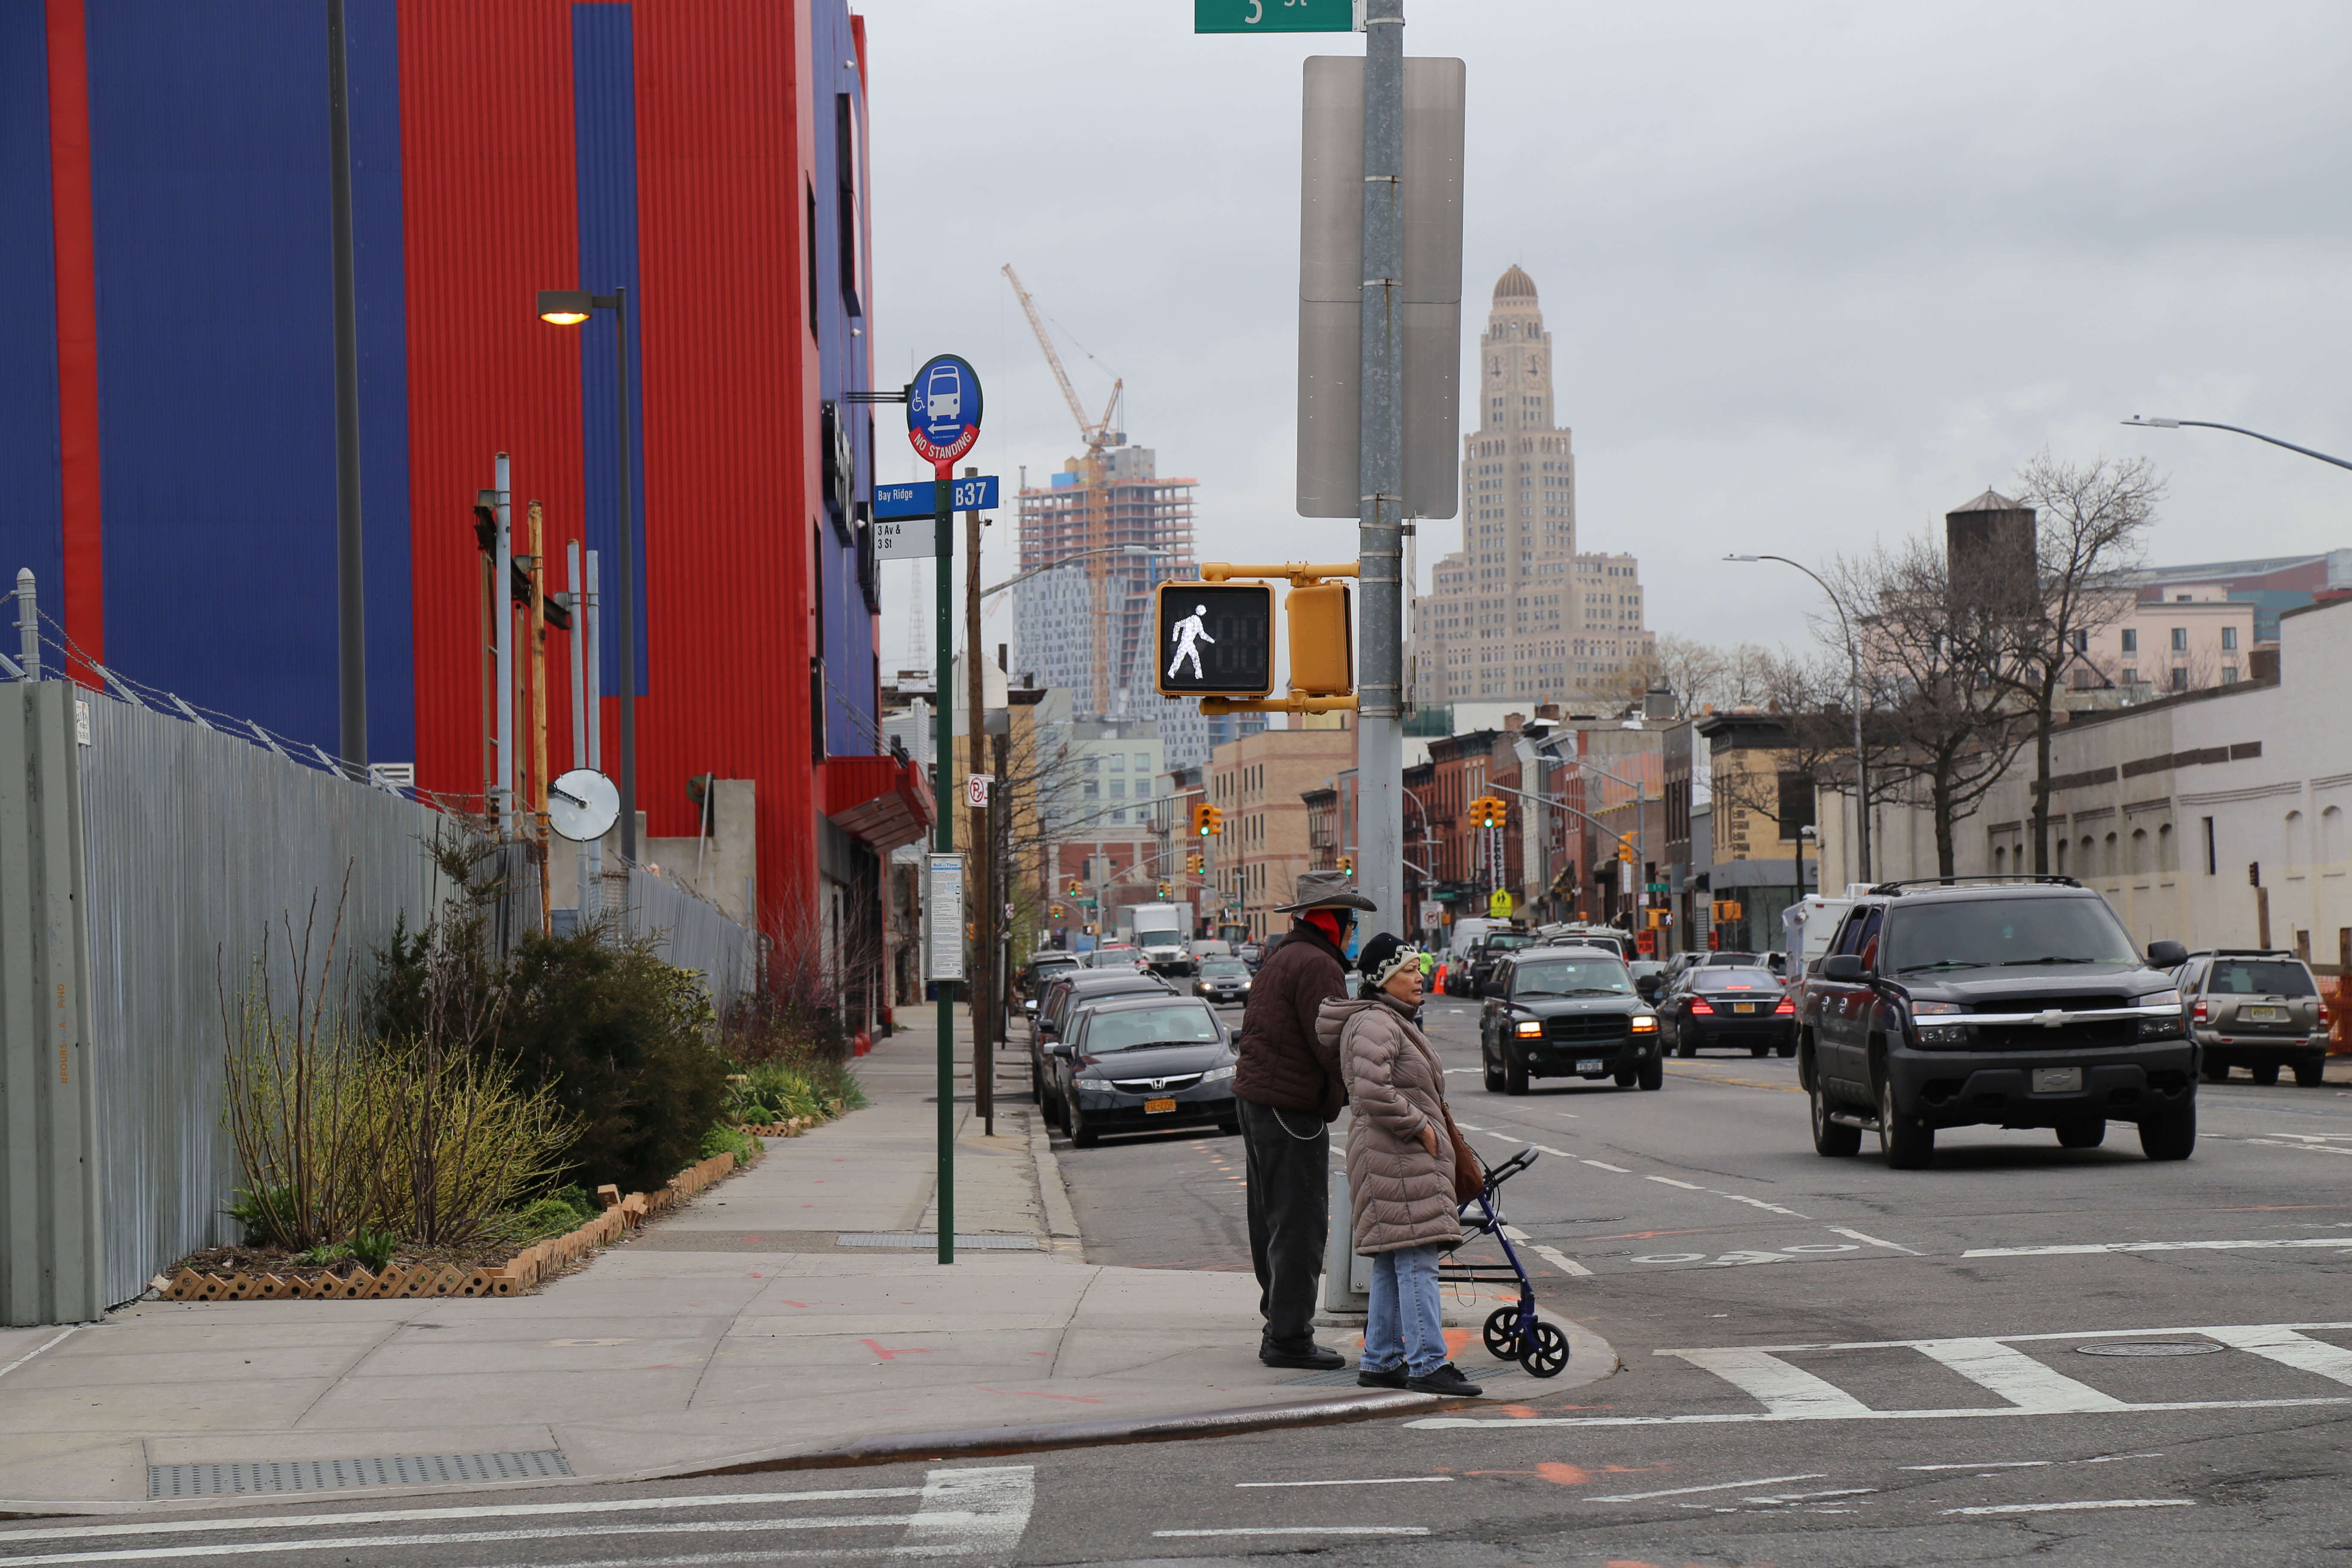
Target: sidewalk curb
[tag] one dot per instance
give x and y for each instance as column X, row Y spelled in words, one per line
column 978, row 1442
column 1061, row 1218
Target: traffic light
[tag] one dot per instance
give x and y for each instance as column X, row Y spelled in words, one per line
column 1489, row 811
column 1726, row 908
column 1078, row 888
column 1322, row 642
column 1348, row 864
column 1164, row 891
column 1216, row 639
column 1193, row 862
column 1054, row 911
column 1625, row 850
column 1211, row 820
column 1659, row 919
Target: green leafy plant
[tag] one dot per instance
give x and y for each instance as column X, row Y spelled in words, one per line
column 261, row 1215
column 721, row 1139
column 550, row 1215
column 332, row 1252
column 373, row 1248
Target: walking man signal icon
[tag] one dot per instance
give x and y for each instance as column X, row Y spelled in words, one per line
column 1191, row 632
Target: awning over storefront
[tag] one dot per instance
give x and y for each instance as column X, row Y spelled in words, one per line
column 884, row 801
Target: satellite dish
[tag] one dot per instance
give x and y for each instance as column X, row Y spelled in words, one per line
column 583, row 805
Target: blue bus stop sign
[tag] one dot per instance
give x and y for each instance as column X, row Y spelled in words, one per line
column 943, row 409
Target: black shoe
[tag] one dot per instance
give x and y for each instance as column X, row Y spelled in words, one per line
column 1314, row 1358
column 1447, row 1380
column 1394, row 1378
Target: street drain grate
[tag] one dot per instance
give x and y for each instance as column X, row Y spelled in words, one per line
column 334, row 1475
column 2152, row 1347
column 921, row 1238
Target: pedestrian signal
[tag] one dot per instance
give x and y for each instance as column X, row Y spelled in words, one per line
column 1659, row 919
column 1322, row 640
column 1216, row 639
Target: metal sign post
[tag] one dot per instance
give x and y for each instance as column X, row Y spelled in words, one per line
column 942, row 425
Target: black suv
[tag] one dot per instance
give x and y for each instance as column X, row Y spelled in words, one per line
column 1566, row 1012
column 2010, row 1003
column 2258, row 1009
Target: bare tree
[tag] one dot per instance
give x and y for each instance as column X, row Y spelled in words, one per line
column 1701, row 674
column 2089, row 538
column 1946, row 648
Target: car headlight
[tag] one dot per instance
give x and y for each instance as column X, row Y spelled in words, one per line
column 1530, row 1030
column 2160, row 999
column 1216, row 1075
column 1645, row 1022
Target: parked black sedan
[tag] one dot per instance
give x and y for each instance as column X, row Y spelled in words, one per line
column 1567, row 1012
column 1139, row 1064
column 1713, row 1006
column 1056, row 1010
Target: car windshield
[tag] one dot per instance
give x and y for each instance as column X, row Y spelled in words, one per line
column 2004, row 932
column 1223, row 966
column 1124, row 1031
column 1735, row 980
column 1571, row 977
column 1509, row 943
column 2259, row 977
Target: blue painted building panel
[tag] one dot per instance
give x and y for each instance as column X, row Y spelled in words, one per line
column 851, row 716
column 208, row 129
column 605, row 119
column 30, row 497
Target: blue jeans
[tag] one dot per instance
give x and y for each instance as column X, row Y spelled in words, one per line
column 1402, row 1322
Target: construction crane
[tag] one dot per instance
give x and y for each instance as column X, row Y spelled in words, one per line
column 1097, row 435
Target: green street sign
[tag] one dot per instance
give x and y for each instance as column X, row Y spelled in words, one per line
column 1273, row 15
column 1656, row 887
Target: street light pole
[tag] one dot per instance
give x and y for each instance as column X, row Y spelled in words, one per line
column 569, row 308
column 1861, row 767
column 2235, row 430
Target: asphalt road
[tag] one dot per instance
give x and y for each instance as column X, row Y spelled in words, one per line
column 1826, row 1362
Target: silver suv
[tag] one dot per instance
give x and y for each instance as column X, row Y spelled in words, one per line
column 2256, row 1009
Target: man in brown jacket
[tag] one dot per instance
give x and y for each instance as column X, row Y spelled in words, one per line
column 1287, row 1088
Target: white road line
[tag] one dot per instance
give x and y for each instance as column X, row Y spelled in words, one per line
column 2341, row 1244
column 1547, row 1149
column 981, row 1510
column 1783, row 1390
column 1443, row 1423
column 1305, row 1530
column 1603, row 1165
column 2017, row 1377
column 48, row 1344
column 425, row 1515
column 2071, row 1507
column 2283, row 1345
column 1799, row 1496
column 1757, row 1203
column 1515, row 1233
column 1984, row 1465
column 1890, row 1246
column 1562, row 1261
column 2034, row 1339
column 2305, row 1148
column 1717, row 1487
column 1686, row 1187
column 1370, row 1482
column 1499, row 1137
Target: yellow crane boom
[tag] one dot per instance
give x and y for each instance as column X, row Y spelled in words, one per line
column 1096, row 432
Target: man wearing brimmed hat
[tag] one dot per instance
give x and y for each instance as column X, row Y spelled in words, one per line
column 1287, row 1088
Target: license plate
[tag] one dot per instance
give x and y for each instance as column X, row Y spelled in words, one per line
column 1743, row 1007
column 1591, row 1064
column 1150, row 1106
column 2057, row 1081
column 2267, row 1014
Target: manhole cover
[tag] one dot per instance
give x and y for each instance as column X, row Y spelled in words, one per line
column 2152, row 1347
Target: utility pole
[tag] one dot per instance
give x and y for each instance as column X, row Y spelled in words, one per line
column 351, row 586
column 1379, row 745
column 983, row 924
column 943, row 722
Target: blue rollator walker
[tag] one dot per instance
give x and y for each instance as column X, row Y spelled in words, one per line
column 1513, row 1332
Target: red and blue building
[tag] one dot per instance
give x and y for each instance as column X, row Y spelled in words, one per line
column 167, row 448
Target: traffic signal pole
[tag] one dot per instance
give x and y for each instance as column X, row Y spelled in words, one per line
column 1380, row 731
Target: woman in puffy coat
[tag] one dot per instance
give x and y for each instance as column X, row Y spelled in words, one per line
column 1400, row 1169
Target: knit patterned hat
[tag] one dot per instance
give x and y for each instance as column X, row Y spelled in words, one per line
column 1384, row 956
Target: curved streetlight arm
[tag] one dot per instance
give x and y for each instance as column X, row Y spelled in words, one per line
column 2235, row 430
column 1854, row 700
column 1067, row 560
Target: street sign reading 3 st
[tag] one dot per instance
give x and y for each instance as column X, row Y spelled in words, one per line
column 943, row 409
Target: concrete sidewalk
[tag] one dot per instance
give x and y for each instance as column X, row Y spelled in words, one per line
column 740, row 1330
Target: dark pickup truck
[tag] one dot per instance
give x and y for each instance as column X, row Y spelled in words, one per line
column 2014, row 1003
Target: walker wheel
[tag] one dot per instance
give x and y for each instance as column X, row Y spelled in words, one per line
column 1546, row 1351
column 1502, row 1333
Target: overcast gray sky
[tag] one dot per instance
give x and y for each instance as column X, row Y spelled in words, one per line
column 1814, row 272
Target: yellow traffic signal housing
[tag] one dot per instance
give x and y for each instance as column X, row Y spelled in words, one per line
column 1164, row 891
column 1078, row 888
column 1659, row 919
column 1192, row 861
column 1201, row 811
column 1212, row 820
column 1625, row 850
column 1726, row 908
column 1322, row 640
column 1054, row 911
column 1348, row 864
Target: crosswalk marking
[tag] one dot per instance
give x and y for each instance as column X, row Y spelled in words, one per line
column 1562, row 1261
column 2070, row 1249
column 2026, row 1386
column 2017, row 1377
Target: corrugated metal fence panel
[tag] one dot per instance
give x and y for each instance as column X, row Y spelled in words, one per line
column 50, row 1210
column 197, row 841
column 692, row 934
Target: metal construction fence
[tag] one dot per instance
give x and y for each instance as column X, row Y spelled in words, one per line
column 192, row 840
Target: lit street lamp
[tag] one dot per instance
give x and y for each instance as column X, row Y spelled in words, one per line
column 2235, row 430
column 1861, row 769
column 570, row 308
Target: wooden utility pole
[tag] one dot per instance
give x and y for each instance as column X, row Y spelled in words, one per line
column 983, row 903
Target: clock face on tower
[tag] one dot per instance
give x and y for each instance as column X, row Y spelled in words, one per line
column 1535, row 366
